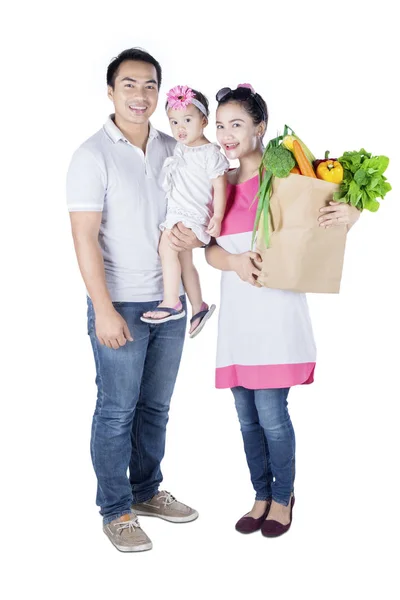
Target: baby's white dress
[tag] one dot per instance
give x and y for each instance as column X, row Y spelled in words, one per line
column 186, row 179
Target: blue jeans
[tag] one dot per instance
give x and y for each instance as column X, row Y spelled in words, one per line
column 269, row 441
column 135, row 385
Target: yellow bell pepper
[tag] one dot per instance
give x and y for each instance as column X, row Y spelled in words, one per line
column 330, row 170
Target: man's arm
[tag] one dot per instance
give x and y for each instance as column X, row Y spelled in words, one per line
column 85, row 232
column 111, row 328
column 86, row 188
column 182, row 238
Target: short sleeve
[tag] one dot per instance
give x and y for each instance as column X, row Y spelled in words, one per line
column 216, row 164
column 86, row 182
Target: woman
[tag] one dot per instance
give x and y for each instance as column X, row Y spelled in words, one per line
column 265, row 339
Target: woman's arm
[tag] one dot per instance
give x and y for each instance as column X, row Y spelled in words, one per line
column 244, row 265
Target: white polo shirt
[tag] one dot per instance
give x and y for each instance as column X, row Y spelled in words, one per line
column 110, row 175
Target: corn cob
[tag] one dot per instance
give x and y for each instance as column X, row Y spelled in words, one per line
column 288, row 143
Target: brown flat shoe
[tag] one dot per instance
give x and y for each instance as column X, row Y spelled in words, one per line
column 249, row 524
column 271, row 528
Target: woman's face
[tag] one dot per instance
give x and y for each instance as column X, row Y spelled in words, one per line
column 236, row 132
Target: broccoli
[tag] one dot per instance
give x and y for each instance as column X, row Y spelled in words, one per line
column 278, row 160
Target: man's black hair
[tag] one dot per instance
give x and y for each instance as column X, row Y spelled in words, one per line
column 132, row 54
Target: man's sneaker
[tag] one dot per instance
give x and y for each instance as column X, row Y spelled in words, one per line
column 126, row 534
column 165, row 506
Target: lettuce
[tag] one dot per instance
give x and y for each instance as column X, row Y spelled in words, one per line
column 363, row 180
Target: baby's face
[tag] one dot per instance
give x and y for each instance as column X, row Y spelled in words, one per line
column 187, row 124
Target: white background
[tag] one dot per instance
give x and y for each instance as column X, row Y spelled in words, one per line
column 329, row 71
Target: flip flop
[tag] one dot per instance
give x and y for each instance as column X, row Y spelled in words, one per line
column 174, row 314
column 203, row 315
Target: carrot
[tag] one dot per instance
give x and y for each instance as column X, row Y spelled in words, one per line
column 296, row 171
column 304, row 164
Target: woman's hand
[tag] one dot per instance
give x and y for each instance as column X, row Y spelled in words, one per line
column 247, row 266
column 338, row 213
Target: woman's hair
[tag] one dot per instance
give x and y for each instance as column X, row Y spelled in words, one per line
column 132, row 54
column 198, row 96
column 254, row 105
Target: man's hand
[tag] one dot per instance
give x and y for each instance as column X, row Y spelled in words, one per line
column 247, row 266
column 111, row 329
column 182, row 238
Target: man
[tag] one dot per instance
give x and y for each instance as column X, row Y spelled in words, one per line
column 116, row 205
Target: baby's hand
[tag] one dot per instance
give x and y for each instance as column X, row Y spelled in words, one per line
column 214, row 226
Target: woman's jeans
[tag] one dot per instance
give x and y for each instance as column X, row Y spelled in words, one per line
column 135, row 385
column 269, row 441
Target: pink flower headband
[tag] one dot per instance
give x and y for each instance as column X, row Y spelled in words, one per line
column 181, row 96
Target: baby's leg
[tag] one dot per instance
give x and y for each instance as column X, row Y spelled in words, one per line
column 171, row 268
column 191, row 282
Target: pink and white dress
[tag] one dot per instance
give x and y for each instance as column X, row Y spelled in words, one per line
column 265, row 337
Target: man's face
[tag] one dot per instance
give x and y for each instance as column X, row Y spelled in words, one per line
column 135, row 92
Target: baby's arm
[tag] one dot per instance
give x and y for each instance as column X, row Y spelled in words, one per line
column 219, row 185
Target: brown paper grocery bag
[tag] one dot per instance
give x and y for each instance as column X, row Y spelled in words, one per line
column 302, row 256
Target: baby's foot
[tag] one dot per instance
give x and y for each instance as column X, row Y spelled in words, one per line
column 200, row 318
column 162, row 314
column 196, row 309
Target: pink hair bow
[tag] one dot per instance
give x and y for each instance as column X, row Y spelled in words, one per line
column 246, row 85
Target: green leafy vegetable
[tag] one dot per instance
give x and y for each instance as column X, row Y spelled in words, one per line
column 277, row 161
column 363, row 180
